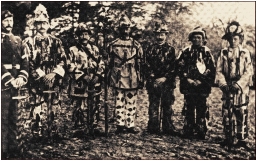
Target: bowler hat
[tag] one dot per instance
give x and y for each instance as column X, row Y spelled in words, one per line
column 197, row 30
column 160, row 27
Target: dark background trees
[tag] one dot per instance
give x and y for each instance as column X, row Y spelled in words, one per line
column 104, row 16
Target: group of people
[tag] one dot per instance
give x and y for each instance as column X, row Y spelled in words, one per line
column 41, row 63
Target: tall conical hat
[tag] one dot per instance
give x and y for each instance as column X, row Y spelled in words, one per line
column 41, row 14
column 124, row 21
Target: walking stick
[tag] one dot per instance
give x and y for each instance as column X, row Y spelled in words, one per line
column 106, row 74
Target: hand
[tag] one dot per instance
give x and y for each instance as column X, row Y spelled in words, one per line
column 224, row 88
column 13, row 83
column 87, row 78
column 191, row 81
column 159, row 81
column 20, row 82
column 95, row 79
column 140, row 85
column 206, row 72
column 49, row 78
column 234, row 88
column 197, row 82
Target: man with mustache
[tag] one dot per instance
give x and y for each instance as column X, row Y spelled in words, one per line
column 196, row 70
column 87, row 65
column 14, row 73
column 125, row 77
column 46, row 63
column 160, row 76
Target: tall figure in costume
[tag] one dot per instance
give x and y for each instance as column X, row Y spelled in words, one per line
column 125, row 77
column 46, row 63
column 160, row 75
column 14, row 73
column 86, row 63
column 196, row 69
column 234, row 74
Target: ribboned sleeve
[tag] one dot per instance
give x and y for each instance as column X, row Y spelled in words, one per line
column 209, row 75
column 140, row 61
column 180, row 64
column 245, row 79
column 170, row 73
column 6, row 76
column 32, row 57
column 220, row 78
column 74, row 63
column 61, row 60
column 101, row 64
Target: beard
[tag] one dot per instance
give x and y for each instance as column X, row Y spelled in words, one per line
column 7, row 29
column 83, row 41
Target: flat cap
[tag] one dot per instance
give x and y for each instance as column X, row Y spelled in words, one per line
column 5, row 14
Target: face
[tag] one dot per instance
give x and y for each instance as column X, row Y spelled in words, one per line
column 125, row 31
column 42, row 27
column 7, row 24
column 160, row 37
column 234, row 41
column 84, row 37
column 101, row 41
column 197, row 39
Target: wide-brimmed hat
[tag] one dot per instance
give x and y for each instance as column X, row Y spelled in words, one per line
column 197, row 30
column 5, row 14
column 160, row 27
column 233, row 29
column 41, row 14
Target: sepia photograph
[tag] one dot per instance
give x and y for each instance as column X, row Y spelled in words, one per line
column 128, row 80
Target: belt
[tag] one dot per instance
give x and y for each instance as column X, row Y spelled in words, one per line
column 10, row 66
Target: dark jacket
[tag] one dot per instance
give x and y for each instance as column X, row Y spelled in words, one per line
column 187, row 68
column 160, row 62
column 14, row 62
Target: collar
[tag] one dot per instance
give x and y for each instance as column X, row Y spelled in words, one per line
column 38, row 35
column 4, row 34
column 240, row 47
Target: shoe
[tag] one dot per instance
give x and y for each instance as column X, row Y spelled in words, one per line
column 119, row 130
column 170, row 131
column 188, row 132
column 201, row 135
column 132, row 130
column 153, row 131
column 201, row 130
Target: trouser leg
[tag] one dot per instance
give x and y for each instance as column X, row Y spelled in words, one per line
column 120, row 107
column 5, row 101
column 12, row 120
column 167, row 101
column 154, row 102
column 242, row 128
column 130, row 108
column 190, row 113
column 201, row 114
